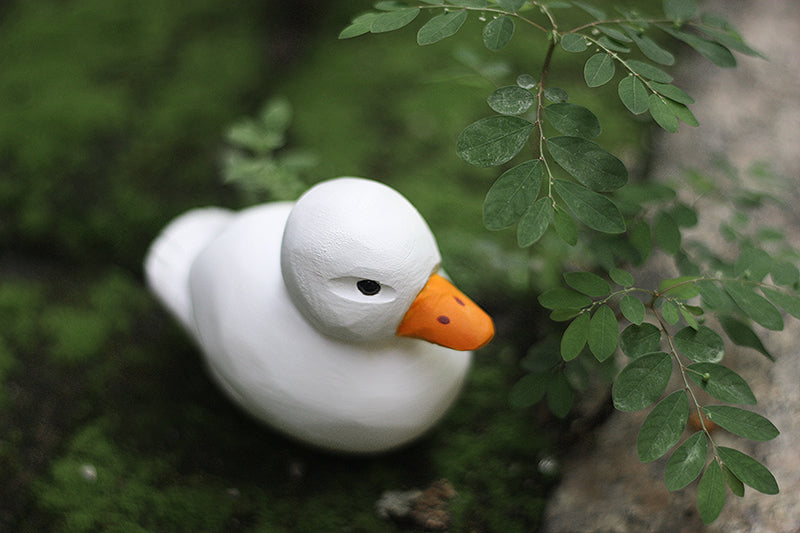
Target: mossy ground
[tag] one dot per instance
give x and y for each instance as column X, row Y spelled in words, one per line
column 112, row 120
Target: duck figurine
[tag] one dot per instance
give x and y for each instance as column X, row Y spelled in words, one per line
column 328, row 319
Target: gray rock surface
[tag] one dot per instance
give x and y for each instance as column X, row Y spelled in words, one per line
column 750, row 114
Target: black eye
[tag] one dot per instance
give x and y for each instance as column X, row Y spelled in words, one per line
column 368, row 287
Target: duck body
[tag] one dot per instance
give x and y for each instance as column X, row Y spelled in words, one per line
column 273, row 297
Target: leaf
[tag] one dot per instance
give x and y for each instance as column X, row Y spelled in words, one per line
column 663, row 427
column 670, row 312
column 713, row 51
column 651, row 49
column 588, row 163
column 632, row 308
column 785, row 273
column 679, row 10
column 565, row 226
column 572, row 119
column 511, row 100
column 607, row 43
column 702, row 345
column 633, row 94
column 648, row 71
column 683, row 113
column 788, row 302
column 755, row 306
column 393, row 20
column 641, row 239
column 667, row 233
column 686, row 462
column 642, row 382
column 594, row 210
column 714, row 297
column 722, row 383
column 359, row 26
column 498, row 32
column 556, row 95
column 603, row 333
column 637, row 340
column 526, row 81
column 559, row 395
column 588, row 283
column 512, row 194
column 511, row 5
column 711, row 493
column 672, row 92
column 493, row 141
column 575, row 337
column 441, row 26
column 534, row 222
column 562, row 298
column 662, row 113
column 743, row 335
column 529, row 390
column 684, row 287
column 733, row 482
column 598, row 70
column 597, row 13
column 741, row 422
column 621, row 277
column 748, row 470
column 573, row 42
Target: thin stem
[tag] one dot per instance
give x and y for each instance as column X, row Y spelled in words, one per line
column 540, row 114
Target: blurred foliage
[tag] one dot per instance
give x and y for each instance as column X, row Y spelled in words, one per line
column 112, row 121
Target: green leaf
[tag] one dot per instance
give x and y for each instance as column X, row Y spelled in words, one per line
column 632, row 308
column 633, row 94
column 679, row 10
column 572, row 119
column 667, row 233
column 683, row 287
column 713, row 51
column 393, row 20
column 711, row 493
column 562, row 298
column 703, row 345
column 493, row 141
column 648, row 71
column 621, row 277
column 662, row 113
column 788, row 302
column 714, row 297
column 683, row 113
column 441, row 26
column 785, row 273
column 565, row 226
column 498, row 32
column 588, row 163
column 511, row 5
column 722, row 383
column 730, row 39
column 651, row 49
column 526, row 81
column 663, row 427
column 642, row 382
column 597, row 13
column 575, row 337
column 603, row 333
column 529, row 390
column 559, row 395
column 588, row 283
column 556, row 95
column 512, row 195
column 672, row 92
column 755, row 306
column 670, row 312
column 607, row 43
column 573, row 42
column 684, row 215
column 534, row 222
column 511, row 100
column 733, row 482
column 748, row 470
column 641, row 239
column 359, row 26
column 753, row 263
column 743, row 335
column 598, row 70
column 741, row 422
column 637, row 340
column 686, row 462
column 594, row 210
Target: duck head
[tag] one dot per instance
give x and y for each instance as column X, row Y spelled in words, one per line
column 361, row 265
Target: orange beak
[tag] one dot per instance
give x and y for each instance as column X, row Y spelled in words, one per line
column 443, row 315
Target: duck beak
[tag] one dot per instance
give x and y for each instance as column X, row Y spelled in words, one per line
column 443, row 315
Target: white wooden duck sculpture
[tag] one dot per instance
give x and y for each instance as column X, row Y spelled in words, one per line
column 325, row 318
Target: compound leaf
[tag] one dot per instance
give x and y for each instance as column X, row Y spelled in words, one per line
column 512, row 194
column 637, row 340
column 755, row 306
column 572, row 119
column 633, row 94
column 599, row 69
column 662, row 113
column 534, row 222
column 575, row 337
column 498, row 32
column 588, row 283
column 686, row 462
column 748, row 470
column 642, row 382
column 632, row 308
column 591, row 208
column 663, row 427
column 603, row 333
column 588, row 163
column 393, row 20
column 511, row 100
column 743, row 335
column 563, row 298
column 703, row 345
column 711, row 493
column 493, row 141
column 741, row 422
column 573, row 42
column 441, row 26
column 722, row 383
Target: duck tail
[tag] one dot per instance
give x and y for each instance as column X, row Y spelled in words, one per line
column 169, row 259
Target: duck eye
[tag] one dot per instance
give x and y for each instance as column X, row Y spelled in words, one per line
column 368, row 287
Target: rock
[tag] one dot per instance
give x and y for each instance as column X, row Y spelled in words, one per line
column 427, row 508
